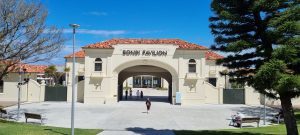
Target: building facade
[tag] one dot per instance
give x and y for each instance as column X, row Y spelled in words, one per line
column 190, row 70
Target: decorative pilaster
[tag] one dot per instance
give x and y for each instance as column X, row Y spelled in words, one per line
column 42, row 91
column 220, row 93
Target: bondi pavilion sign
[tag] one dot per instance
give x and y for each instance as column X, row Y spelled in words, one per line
column 128, row 52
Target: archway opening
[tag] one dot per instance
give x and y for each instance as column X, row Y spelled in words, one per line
column 155, row 82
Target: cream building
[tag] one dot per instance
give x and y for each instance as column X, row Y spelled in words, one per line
column 190, row 70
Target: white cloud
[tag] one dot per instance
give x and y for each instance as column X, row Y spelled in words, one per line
column 148, row 32
column 68, row 49
column 97, row 32
column 95, row 13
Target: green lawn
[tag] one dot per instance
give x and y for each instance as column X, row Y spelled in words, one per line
column 271, row 130
column 14, row 128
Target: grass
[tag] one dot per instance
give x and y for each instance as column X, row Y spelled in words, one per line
column 14, row 128
column 270, row 130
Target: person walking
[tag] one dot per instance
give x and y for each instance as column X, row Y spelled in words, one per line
column 137, row 94
column 126, row 94
column 130, row 93
column 148, row 105
column 142, row 94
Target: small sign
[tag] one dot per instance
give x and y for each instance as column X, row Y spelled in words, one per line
column 178, row 98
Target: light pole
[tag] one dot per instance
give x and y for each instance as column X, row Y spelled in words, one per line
column 19, row 88
column 74, row 26
column 19, row 91
column 265, row 111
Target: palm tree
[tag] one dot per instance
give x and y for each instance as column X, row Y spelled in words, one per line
column 67, row 70
column 225, row 73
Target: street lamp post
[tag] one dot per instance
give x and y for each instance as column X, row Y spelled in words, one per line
column 74, row 26
column 19, row 89
column 265, row 111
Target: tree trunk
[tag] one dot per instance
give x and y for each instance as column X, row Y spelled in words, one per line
column 289, row 117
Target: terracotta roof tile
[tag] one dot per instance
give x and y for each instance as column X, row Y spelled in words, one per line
column 210, row 55
column 79, row 54
column 31, row 68
column 35, row 68
column 14, row 66
column 109, row 43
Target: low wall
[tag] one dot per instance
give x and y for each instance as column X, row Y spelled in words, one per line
column 213, row 95
column 252, row 97
column 31, row 92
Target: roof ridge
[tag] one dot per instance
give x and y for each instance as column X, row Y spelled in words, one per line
column 107, row 44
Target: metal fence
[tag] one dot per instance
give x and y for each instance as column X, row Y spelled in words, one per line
column 56, row 93
column 234, row 96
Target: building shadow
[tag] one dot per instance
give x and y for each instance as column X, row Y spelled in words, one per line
column 211, row 132
column 152, row 99
column 150, row 131
column 257, row 111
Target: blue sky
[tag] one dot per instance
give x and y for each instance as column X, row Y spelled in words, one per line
column 105, row 19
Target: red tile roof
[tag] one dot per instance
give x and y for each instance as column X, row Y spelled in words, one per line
column 30, row 68
column 14, row 66
column 79, row 54
column 34, row 68
column 182, row 44
column 210, row 55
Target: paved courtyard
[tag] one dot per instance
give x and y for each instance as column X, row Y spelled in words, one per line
column 130, row 117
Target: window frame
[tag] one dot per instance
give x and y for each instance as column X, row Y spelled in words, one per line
column 192, row 66
column 96, row 62
column 209, row 80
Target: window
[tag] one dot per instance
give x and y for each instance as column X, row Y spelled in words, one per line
column 192, row 66
column 1, row 86
column 212, row 81
column 80, row 78
column 98, row 64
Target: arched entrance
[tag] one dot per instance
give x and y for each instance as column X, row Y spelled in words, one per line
column 145, row 70
column 147, row 67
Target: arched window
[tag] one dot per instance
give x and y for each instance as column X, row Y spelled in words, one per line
column 192, row 66
column 98, row 64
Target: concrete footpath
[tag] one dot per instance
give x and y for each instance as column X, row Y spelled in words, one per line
column 131, row 118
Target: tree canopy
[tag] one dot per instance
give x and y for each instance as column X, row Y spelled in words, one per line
column 249, row 30
column 24, row 35
column 261, row 38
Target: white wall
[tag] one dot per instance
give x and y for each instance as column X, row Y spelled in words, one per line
column 252, row 97
column 32, row 91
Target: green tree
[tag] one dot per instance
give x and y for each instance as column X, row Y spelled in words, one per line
column 51, row 72
column 249, row 31
column 275, row 80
